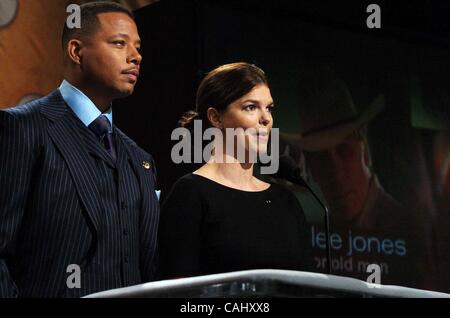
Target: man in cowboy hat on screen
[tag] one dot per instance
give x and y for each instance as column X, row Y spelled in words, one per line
column 332, row 137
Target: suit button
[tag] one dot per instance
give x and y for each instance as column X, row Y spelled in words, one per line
column 123, row 205
column 125, row 232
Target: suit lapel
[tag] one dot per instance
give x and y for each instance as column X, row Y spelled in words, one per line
column 66, row 136
column 138, row 164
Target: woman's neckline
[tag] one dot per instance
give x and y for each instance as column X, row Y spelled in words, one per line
column 231, row 188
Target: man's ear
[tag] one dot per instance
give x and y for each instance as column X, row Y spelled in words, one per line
column 74, row 51
column 214, row 117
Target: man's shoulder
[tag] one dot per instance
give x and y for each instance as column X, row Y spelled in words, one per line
column 25, row 118
column 25, row 124
column 23, row 111
column 33, row 108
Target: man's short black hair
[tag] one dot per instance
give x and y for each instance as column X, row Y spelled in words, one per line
column 89, row 19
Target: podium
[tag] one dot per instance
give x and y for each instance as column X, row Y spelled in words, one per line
column 266, row 283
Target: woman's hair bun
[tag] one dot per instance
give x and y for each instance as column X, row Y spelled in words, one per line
column 187, row 118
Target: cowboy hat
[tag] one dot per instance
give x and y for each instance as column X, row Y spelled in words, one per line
column 327, row 114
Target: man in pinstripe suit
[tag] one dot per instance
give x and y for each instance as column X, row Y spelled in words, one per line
column 76, row 192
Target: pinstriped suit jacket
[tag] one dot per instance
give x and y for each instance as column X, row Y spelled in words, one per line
column 49, row 202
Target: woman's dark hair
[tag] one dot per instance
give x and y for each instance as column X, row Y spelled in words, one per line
column 221, row 87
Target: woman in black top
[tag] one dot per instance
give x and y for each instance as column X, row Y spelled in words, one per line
column 221, row 218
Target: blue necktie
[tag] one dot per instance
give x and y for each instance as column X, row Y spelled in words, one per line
column 102, row 128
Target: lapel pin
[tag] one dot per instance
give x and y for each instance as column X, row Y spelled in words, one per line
column 146, row 165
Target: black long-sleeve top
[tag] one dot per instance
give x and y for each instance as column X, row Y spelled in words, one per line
column 210, row 228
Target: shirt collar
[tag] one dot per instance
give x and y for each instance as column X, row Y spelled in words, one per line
column 81, row 105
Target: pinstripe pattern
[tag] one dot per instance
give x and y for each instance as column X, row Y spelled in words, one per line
column 63, row 201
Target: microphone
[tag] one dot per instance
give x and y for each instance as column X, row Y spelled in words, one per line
column 289, row 170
